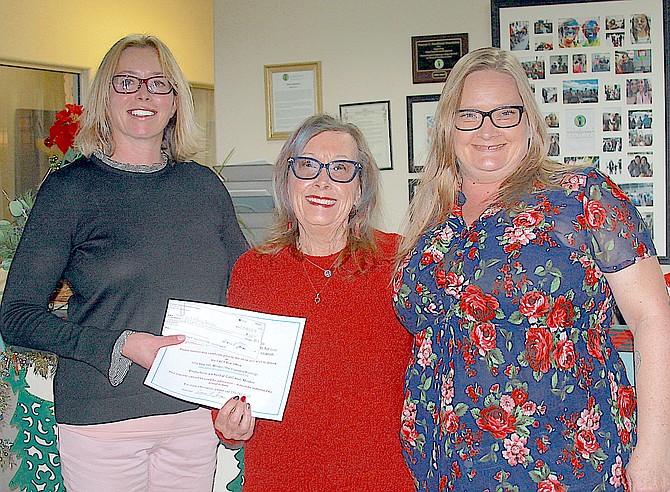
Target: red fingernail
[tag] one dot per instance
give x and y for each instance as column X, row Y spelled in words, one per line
column 243, row 399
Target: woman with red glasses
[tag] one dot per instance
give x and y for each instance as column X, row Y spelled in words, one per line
column 129, row 225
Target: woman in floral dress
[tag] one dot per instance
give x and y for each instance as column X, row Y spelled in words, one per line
column 513, row 264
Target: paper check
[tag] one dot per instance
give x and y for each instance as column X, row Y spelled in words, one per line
column 228, row 352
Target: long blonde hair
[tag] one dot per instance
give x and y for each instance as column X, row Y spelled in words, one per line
column 436, row 193
column 182, row 137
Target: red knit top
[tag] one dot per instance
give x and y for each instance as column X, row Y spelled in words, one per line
column 341, row 423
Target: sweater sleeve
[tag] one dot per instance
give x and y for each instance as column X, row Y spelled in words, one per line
column 40, row 260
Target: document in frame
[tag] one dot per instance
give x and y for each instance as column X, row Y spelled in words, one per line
column 228, row 352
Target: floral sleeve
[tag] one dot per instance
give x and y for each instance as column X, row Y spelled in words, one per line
column 421, row 283
column 609, row 226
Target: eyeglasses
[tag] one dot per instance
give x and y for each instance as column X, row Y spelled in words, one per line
column 340, row 171
column 129, row 84
column 503, row 117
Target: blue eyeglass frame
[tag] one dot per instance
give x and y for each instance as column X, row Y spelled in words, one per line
column 357, row 168
column 145, row 82
column 489, row 114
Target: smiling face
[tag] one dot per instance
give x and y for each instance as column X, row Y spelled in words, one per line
column 569, row 30
column 490, row 154
column 138, row 120
column 321, row 205
column 640, row 23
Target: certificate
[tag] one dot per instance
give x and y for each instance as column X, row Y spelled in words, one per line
column 292, row 94
column 228, row 352
column 373, row 119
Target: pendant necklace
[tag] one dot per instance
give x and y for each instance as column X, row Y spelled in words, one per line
column 327, row 272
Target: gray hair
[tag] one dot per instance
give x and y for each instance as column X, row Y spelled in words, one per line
column 284, row 229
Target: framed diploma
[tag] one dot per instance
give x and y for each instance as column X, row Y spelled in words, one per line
column 292, row 94
column 374, row 120
column 599, row 72
column 433, row 57
column 420, row 123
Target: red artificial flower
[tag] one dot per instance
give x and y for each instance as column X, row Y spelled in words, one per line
column 62, row 132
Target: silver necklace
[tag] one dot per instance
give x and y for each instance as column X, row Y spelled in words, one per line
column 327, row 272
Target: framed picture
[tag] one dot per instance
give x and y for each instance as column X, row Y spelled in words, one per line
column 420, row 123
column 374, row 121
column 622, row 338
column 292, row 94
column 411, row 186
column 31, row 155
column 598, row 69
column 433, row 57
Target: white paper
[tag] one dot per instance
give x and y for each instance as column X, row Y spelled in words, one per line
column 294, row 96
column 228, row 352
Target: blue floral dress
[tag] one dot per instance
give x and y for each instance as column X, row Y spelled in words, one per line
column 514, row 383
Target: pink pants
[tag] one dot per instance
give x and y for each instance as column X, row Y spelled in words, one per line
column 150, row 454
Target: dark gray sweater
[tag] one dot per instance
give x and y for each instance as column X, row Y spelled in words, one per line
column 126, row 242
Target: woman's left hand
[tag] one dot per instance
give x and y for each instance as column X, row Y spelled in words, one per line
column 234, row 421
column 649, row 471
column 141, row 347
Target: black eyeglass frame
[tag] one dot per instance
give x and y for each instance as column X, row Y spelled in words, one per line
column 142, row 81
column 489, row 114
column 357, row 168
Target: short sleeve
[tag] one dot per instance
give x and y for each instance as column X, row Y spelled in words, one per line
column 613, row 230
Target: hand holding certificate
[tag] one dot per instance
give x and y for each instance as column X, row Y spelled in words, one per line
column 228, row 352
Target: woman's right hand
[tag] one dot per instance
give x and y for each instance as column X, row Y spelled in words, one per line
column 234, row 421
column 142, row 348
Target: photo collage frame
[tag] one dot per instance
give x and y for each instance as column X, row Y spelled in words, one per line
column 597, row 70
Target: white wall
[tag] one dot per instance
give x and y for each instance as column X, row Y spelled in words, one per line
column 365, row 54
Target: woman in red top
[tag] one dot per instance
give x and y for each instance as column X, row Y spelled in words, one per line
column 324, row 261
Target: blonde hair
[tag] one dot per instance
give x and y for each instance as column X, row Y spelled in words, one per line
column 436, row 192
column 283, row 230
column 182, row 137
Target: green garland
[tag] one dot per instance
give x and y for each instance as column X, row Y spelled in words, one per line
column 33, row 453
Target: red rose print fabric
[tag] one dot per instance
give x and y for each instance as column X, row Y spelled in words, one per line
column 515, row 384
